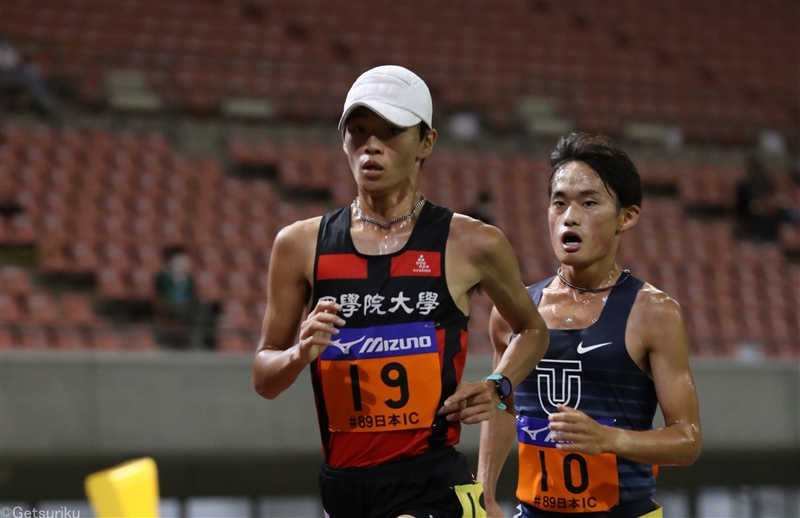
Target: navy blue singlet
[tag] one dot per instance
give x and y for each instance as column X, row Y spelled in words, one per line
column 588, row 369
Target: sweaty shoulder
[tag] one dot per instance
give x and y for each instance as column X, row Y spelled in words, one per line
column 300, row 232
column 655, row 313
column 475, row 251
column 296, row 243
column 473, row 238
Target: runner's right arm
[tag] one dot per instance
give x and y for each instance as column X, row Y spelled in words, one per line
column 279, row 360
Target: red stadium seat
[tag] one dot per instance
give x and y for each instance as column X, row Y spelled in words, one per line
column 234, row 314
column 34, row 337
column 40, row 308
column 82, row 258
column 231, row 341
column 138, row 338
column 69, row 339
column 142, row 284
column 8, row 340
column 208, row 286
column 242, row 260
column 77, row 310
column 115, row 255
column 103, row 338
column 238, row 285
column 15, row 280
column 111, row 284
column 20, row 231
column 10, row 312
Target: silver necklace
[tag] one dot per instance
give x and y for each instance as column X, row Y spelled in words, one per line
column 626, row 274
column 387, row 224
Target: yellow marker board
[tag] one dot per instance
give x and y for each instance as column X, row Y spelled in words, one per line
column 125, row 491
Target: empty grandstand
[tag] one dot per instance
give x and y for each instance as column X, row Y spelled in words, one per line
column 208, row 125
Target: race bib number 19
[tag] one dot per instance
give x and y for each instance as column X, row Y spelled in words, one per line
column 562, row 481
column 382, row 378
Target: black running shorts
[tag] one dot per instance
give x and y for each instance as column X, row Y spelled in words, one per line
column 421, row 486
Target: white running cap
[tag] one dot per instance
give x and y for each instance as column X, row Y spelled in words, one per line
column 393, row 92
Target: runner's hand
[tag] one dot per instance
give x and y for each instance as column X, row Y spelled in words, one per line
column 316, row 330
column 471, row 403
column 575, row 431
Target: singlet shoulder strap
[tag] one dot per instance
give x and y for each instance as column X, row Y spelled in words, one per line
column 621, row 298
column 432, row 228
column 536, row 289
column 334, row 232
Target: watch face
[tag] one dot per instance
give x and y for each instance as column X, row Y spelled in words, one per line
column 505, row 387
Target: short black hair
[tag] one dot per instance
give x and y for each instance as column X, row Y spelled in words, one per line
column 172, row 251
column 424, row 129
column 614, row 167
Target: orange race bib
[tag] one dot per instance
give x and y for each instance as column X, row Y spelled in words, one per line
column 562, row 481
column 382, row 378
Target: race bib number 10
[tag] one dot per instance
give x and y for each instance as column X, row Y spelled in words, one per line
column 382, row 378
column 563, row 481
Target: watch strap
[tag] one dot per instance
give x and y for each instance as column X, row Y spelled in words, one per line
column 497, row 378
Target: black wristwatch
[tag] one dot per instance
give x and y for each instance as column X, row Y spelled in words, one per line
column 502, row 384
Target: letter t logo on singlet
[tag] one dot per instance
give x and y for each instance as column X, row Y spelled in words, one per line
column 559, row 383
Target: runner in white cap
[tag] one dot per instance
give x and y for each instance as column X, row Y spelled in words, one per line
column 387, row 281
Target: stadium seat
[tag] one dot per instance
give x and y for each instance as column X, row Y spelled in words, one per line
column 10, row 312
column 111, row 284
column 242, row 260
column 8, row 340
column 33, row 337
column 208, row 286
column 115, row 255
column 82, row 258
column 103, row 338
column 138, row 338
column 142, row 284
column 77, row 310
column 69, row 339
column 15, row 280
column 40, row 308
column 232, row 341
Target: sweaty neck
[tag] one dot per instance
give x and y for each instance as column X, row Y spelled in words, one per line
column 372, row 239
column 597, row 275
column 387, row 206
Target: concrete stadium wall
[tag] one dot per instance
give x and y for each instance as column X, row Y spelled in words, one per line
column 64, row 415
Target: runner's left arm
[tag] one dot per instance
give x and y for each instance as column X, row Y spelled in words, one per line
column 498, row 275
column 660, row 322
column 498, row 433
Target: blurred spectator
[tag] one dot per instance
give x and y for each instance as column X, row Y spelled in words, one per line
column 18, row 72
column 760, row 208
column 771, row 143
column 482, row 211
column 176, row 304
column 465, row 125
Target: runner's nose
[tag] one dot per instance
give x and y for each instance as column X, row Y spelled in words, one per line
column 572, row 215
column 373, row 146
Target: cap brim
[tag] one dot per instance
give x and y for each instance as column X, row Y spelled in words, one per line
column 397, row 116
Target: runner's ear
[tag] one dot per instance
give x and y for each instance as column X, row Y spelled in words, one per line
column 628, row 217
column 426, row 144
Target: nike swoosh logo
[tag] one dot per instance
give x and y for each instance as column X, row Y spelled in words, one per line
column 345, row 347
column 582, row 349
